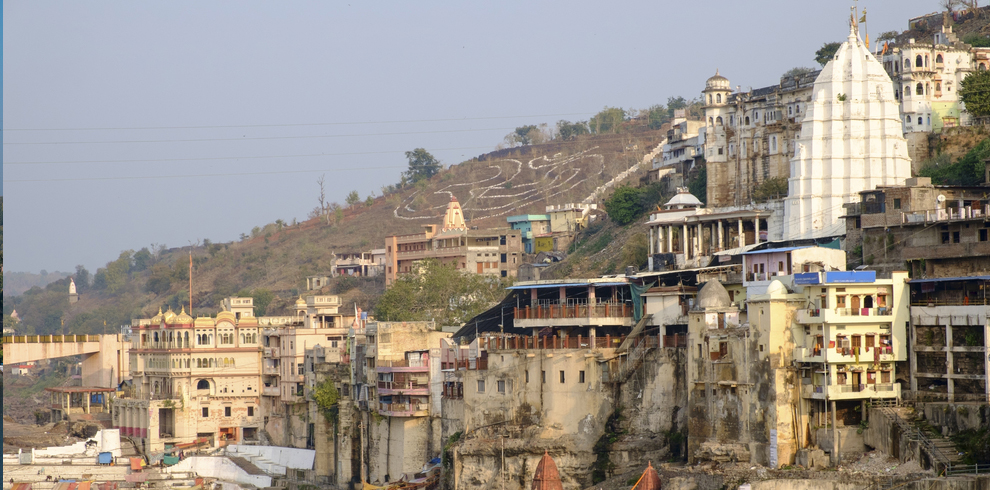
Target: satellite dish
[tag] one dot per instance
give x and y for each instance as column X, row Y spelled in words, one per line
column 940, row 198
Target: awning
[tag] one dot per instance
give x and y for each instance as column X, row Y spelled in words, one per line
column 950, row 279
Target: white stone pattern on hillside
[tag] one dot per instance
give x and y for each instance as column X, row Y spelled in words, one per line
column 489, row 197
column 648, row 158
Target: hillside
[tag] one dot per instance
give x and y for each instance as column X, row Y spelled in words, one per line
column 273, row 262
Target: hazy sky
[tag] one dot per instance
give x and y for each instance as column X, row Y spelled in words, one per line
column 130, row 123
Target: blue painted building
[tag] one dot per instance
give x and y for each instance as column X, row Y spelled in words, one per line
column 530, row 225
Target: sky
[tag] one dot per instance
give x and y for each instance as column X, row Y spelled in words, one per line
column 127, row 124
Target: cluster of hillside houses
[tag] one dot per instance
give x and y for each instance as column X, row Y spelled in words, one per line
column 783, row 334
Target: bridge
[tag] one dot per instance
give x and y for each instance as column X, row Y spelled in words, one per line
column 105, row 360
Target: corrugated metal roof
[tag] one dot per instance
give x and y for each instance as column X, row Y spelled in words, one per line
column 770, row 250
column 568, row 285
column 950, row 279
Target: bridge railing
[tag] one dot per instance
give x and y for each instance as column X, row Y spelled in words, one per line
column 45, row 339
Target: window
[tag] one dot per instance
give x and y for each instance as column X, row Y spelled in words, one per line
column 226, row 411
column 543, row 376
column 955, row 237
column 919, row 89
column 202, row 384
column 720, row 150
column 945, row 237
column 527, row 376
column 481, row 386
column 250, row 411
column 840, row 301
column 500, row 386
column 580, row 376
column 747, row 120
column 885, row 376
column 561, row 376
column 938, row 58
column 206, row 412
column 983, row 234
column 918, row 61
column 840, row 378
column 897, row 203
column 503, row 258
column 718, row 98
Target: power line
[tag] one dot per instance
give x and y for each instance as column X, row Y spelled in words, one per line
column 244, row 138
column 299, row 124
column 238, row 157
column 187, row 176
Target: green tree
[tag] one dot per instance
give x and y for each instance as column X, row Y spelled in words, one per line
column 974, row 91
column 797, row 71
column 826, row 53
column 262, row 298
column 327, row 398
column 82, row 277
column 522, row 135
column 624, row 206
column 674, row 103
column 657, row 115
column 635, row 251
column 142, row 259
column 568, row 130
column 370, row 201
column 352, row 198
column 440, row 293
column 117, row 272
column 609, row 120
column 772, row 188
column 422, row 165
column 159, row 280
column 698, row 186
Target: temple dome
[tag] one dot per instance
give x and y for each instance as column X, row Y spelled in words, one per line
column 713, row 295
column 183, row 318
column 717, row 82
column 546, row 476
column 157, row 319
column 169, row 316
column 683, row 199
column 776, row 288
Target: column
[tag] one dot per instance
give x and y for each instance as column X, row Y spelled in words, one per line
column 756, row 227
column 653, row 245
column 699, row 245
column 721, row 241
column 591, row 300
column 835, row 438
column 670, row 239
column 950, row 361
column 592, row 335
column 684, row 241
column 86, row 395
column 742, row 237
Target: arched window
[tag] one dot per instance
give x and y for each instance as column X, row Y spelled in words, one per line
column 156, row 336
column 711, row 122
column 938, row 59
column 213, row 363
column 938, row 86
column 773, row 144
column 718, row 98
column 747, row 120
column 919, row 121
column 718, row 121
column 983, row 66
column 210, row 340
column 928, row 88
column 188, row 362
column 231, row 362
column 919, row 89
column 203, row 385
column 709, row 99
column 918, row 61
column 199, row 362
column 187, row 339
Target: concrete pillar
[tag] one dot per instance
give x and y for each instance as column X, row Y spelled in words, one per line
column 721, row 240
column 950, row 362
column 86, row 397
column 835, row 438
column 756, row 228
column 685, row 241
column 699, row 242
column 592, row 335
column 652, row 243
column 670, row 239
column 742, row 237
column 653, row 247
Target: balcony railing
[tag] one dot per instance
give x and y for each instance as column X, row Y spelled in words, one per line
column 550, row 342
column 552, row 310
column 404, row 387
column 404, row 409
column 270, row 391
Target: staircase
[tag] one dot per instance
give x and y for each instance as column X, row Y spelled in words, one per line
column 940, row 450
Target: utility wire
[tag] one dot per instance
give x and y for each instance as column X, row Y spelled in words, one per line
column 187, row 176
column 300, row 124
column 244, row 138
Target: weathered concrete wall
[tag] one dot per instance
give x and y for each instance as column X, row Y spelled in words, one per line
column 401, row 445
column 803, row 485
column 955, row 417
column 851, row 442
column 221, row 469
column 981, row 482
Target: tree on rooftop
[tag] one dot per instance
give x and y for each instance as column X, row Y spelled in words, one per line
column 797, row 71
column 422, row 165
column 826, row 53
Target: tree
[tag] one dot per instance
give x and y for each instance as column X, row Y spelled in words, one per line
column 826, row 53
column 82, row 277
column 771, row 188
column 262, row 298
column 422, row 165
column 352, row 198
column 159, row 280
column 635, row 250
column 657, row 115
column 674, row 103
column 117, row 271
column 887, row 36
column 142, row 259
column 369, row 202
column 949, row 5
column 327, row 397
column 521, row 135
column 568, row 130
column 623, row 205
column 609, row 120
column 974, row 91
column 441, row 293
column 797, row 71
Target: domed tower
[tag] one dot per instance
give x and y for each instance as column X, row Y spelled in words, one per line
column 716, row 100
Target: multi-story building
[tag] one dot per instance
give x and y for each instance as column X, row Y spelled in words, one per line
column 529, row 226
column 950, row 328
column 940, row 231
column 403, row 386
column 366, row 264
column 750, row 135
column 927, row 76
column 683, row 149
column 192, row 379
column 318, row 324
column 492, row 251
